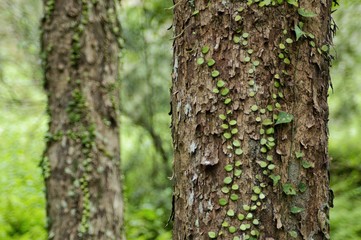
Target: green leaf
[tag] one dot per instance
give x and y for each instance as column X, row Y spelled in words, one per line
column 302, row 187
column 293, row 234
column 195, row 12
column 284, row 117
column 225, row 190
column 225, row 224
column 200, row 61
column 265, row 3
column 243, row 227
column 299, row 32
column 305, row 13
column 232, row 122
column 249, row 216
column 293, row 2
column 296, row 210
column 307, row 164
column 227, row 135
column 212, row 235
column 232, row 229
column 224, row 91
column 230, row 213
column 289, row 40
column 227, row 101
column 222, row 116
column 238, row 151
column 234, row 197
column 211, row 62
column 240, row 216
column 222, row 202
column 228, row 167
column 215, row 73
column 256, row 190
column 255, row 63
column 270, row 131
column 236, row 39
column 262, row 164
column 234, row 131
column 271, row 166
column 236, row 143
column 205, row 49
column 325, row 48
column 267, row 122
column 299, row 154
column 215, row 90
column 220, row 83
column 227, row 180
column 224, row 126
column 288, row 189
column 237, row 172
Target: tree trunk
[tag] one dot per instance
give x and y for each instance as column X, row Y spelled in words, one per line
column 81, row 162
column 249, row 121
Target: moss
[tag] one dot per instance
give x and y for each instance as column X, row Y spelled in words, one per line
column 45, row 167
column 49, row 8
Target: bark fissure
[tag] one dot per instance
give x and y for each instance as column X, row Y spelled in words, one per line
column 248, row 112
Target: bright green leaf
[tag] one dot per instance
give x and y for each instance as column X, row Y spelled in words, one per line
column 296, row 210
column 200, row 61
column 307, row 164
column 288, row 189
column 299, row 32
column 228, row 167
column 215, row 73
column 227, row 180
column 205, row 49
column 305, row 13
column 284, row 117
column 212, row 235
column 211, row 62
column 230, row 213
column 293, row 2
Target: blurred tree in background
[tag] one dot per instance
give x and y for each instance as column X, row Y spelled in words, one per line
column 80, row 50
column 146, row 141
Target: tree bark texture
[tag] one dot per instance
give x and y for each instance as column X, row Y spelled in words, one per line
column 81, row 163
column 249, row 119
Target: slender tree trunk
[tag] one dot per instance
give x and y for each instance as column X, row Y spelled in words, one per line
column 249, row 102
column 81, row 160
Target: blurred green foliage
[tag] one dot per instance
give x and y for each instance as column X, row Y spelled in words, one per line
column 145, row 134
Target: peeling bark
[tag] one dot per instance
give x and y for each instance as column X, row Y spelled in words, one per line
column 284, row 162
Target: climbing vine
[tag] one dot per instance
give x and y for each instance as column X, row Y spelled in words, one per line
column 267, row 119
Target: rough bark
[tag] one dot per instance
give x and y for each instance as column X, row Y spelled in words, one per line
column 250, row 128
column 81, row 162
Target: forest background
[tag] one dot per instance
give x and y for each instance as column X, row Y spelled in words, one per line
column 145, row 134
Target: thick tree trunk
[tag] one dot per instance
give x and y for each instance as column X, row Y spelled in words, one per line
column 249, row 102
column 81, row 160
